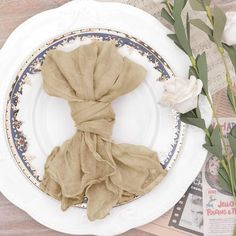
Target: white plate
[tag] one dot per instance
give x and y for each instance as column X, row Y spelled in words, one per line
column 25, row 130
column 35, row 122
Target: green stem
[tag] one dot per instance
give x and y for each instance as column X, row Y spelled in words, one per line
column 228, row 78
column 193, row 61
column 229, row 173
column 222, row 53
column 225, row 166
column 228, row 157
column 209, row 14
column 207, row 133
column 217, row 122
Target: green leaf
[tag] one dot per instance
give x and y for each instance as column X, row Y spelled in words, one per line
column 224, row 180
column 191, row 114
column 232, row 54
column 175, row 39
column 202, row 26
column 233, row 131
column 195, row 113
column 214, row 144
column 210, row 129
column 169, row 6
column 215, row 150
column 207, row 138
column 178, row 7
column 208, row 141
column 192, row 71
column 231, row 165
column 223, row 173
column 219, row 25
column 231, row 97
column 232, row 142
column 181, row 35
column 223, row 184
column 188, row 27
column 203, row 73
column 215, row 137
column 198, row 122
column 196, row 5
column 179, row 26
column 198, row 113
column 167, row 16
column 207, row 2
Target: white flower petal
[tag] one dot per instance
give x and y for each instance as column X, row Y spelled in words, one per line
column 199, row 87
column 229, row 35
column 186, row 106
column 181, row 94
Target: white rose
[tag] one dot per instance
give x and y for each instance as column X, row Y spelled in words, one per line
column 229, row 35
column 181, row 94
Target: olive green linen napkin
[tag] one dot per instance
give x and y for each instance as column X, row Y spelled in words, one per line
column 90, row 164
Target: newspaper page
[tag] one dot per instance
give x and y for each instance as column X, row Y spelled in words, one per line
column 186, row 218
column 219, row 207
column 187, row 214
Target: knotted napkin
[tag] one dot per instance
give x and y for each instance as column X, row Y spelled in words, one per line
column 90, row 164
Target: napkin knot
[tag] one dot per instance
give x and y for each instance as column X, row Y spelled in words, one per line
column 93, row 116
column 90, row 164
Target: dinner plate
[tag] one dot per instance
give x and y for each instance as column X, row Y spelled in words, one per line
column 33, row 122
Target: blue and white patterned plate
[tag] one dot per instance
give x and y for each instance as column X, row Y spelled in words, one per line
column 36, row 122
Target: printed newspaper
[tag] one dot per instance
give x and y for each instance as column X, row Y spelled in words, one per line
column 219, row 208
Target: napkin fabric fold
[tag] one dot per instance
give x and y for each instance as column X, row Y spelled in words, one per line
column 90, row 164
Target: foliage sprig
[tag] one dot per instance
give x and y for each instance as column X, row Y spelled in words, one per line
column 215, row 141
